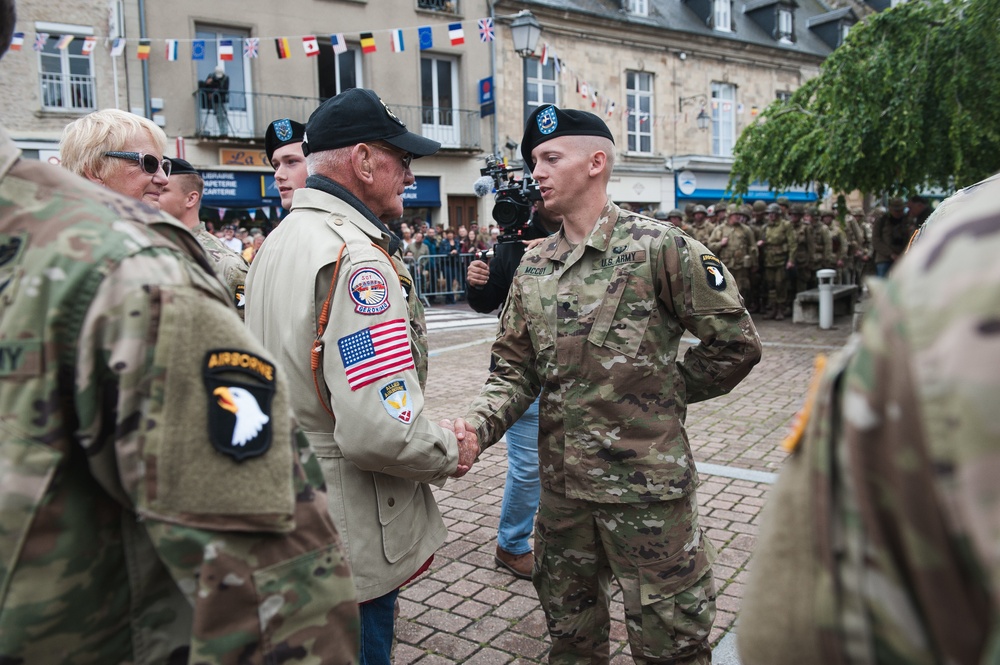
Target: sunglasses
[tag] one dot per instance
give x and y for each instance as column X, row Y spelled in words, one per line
column 149, row 163
column 405, row 156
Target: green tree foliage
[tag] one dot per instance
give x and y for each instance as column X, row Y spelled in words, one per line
column 911, row 99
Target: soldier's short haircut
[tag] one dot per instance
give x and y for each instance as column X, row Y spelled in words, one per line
column 86, row 139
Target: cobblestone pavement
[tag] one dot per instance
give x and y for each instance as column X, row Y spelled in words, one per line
column 465, row 610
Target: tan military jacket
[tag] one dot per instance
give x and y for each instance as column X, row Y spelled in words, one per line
column 379, row 453
column 157, row 501
column 595, row 329
column 740, row 251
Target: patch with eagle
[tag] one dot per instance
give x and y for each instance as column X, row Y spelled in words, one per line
column 715, row 274
column 396, row 401
column 240, row 389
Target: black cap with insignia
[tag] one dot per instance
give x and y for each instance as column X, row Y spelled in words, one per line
column 548, row 122
column 357, row 116
column 282, row 132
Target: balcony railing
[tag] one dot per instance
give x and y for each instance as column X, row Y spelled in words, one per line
column 67, row 92
column 450, row 6
column 246, row 115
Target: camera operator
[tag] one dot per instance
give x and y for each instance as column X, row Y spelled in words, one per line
column 486, row 290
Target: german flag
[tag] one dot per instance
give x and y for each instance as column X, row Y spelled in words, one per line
column 367, row 42
column 281, row 45
column 142, row 52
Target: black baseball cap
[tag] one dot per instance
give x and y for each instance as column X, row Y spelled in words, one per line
column 282, row 132
column 180, row 166
column 357, row 116
column 549, row 121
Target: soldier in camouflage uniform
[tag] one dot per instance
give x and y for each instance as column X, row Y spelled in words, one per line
column 157, row 502
column 181, row 197
column 592, row 324
column 838, row 244
column 779, row 247
column 701, row 227
column 804, row 250
column 822, row 247
column 879, row 542
column 736, row 245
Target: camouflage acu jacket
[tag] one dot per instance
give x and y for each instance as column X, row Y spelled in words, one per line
column 229, row 266
column 595, row 329
column 157, row 503
column 879, row 544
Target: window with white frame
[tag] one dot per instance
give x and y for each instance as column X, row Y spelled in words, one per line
column 845, row 29
column 723, row 119
column 540, row 84
column 722, row 16
column 66, row 74
column 783, row 96
column 338, row 71
column 639, row 118
column 637, row 7
column 785, row 25
column 439, row 100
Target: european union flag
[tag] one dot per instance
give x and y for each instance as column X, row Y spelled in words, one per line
column 198, row 49
column 426, row 37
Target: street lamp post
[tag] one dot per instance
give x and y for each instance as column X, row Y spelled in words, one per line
column 702, row 118
column 525, row 31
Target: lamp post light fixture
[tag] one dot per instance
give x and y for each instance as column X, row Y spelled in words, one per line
column 525, row 30
column 702, row 118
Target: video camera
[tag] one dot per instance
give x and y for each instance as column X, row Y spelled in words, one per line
column 513, row 199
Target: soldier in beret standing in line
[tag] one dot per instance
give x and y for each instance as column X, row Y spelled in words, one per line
column 181, row 197
column 326, row 296
column 158, row 504
column 592, row 325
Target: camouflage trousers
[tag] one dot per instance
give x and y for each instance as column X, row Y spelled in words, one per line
column 663, row 564
column 777, row 285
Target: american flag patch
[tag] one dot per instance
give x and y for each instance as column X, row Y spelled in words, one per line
column 375, row 352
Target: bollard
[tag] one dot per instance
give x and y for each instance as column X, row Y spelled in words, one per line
column 825, row 278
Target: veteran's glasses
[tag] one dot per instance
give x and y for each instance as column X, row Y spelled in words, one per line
column 405, row 156
column 149, row 163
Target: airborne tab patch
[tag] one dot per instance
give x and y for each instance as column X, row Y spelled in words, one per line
column 396, row 400
column 239, row 410
column 714, row 272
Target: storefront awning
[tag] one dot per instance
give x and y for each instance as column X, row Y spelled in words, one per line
column 424, row 193
column 711, row 186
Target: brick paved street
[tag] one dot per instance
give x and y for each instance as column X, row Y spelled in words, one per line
column 467, row 611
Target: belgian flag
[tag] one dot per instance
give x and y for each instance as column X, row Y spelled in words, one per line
column 142, row 52
column 367, row 42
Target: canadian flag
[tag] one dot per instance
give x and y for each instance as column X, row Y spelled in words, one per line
column 310, row 46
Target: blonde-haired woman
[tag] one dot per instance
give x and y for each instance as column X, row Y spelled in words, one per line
column 119, row 150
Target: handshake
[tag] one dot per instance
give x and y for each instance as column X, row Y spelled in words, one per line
column 468, row 444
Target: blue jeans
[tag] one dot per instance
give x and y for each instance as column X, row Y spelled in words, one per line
column 521, row 489
column 882, row 268
column 378, row 624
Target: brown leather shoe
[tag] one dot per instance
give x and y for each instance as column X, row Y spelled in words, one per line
column 519, row 564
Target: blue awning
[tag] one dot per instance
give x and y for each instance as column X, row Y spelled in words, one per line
column 239, row 189
column 424, row 193
column 692, row 184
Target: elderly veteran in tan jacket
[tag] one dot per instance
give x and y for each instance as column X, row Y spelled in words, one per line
column 326, row 297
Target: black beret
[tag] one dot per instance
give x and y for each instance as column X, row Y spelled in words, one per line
column 359, row 116
column 548, row 122
column 180, row 166
column 282, row 132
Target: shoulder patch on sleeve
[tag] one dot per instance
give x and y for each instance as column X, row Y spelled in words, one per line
column 396, row 400
column 715, row 276
column 375, row 352
column 241, row 298
column 369, row 291
column 239, row 412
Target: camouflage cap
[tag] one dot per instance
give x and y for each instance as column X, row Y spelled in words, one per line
column 759, row 206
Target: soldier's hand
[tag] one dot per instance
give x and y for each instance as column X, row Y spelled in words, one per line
column 478, row 273
column 725, row 241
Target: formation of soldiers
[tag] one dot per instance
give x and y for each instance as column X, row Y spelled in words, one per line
column 774, row 250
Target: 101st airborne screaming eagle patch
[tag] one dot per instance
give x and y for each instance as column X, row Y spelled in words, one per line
column 239, row 409
column 714, row 272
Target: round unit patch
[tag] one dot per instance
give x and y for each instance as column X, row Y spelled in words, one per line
column 547, row 120
column 369, row 291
